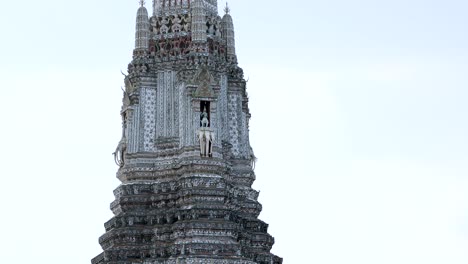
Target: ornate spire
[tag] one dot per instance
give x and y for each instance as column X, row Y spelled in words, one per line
column 228, row 34
column 142, row 28
column 198, row 21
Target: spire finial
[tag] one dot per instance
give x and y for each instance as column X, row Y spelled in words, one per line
column 227, row 9
column 142, row 2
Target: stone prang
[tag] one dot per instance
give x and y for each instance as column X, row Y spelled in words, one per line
column 185, row 162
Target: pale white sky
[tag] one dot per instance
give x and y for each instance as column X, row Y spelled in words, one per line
column 359, row 120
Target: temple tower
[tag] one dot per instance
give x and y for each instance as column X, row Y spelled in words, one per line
column 185, row 162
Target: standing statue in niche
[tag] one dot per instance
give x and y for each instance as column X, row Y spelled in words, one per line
column 205, row 135
column 204, row 119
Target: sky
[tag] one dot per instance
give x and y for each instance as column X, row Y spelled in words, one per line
column 359, row 120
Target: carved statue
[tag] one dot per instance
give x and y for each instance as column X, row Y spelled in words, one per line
column 211, row 29
column 202, row 140
column 218, row 33
column 176, row 26
column 119, row 152
column 204, row 119
column 187, row 26
column 206, row 138
column 164, row 29
column 210, row 136
column 252, row 157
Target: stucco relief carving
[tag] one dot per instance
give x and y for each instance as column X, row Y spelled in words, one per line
column 171, row 24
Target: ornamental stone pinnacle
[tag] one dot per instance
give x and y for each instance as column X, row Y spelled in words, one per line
column 142, row 33
column 185, row 162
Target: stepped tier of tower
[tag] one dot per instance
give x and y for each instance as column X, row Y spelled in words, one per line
column 197, row 213
column 185, row 160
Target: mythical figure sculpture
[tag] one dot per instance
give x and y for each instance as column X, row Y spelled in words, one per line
column 209, row 137
column 119, row 152
column 121, row 149
column 253, row 159
column 202, row 140
column 206, row 139
column 204, row 119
